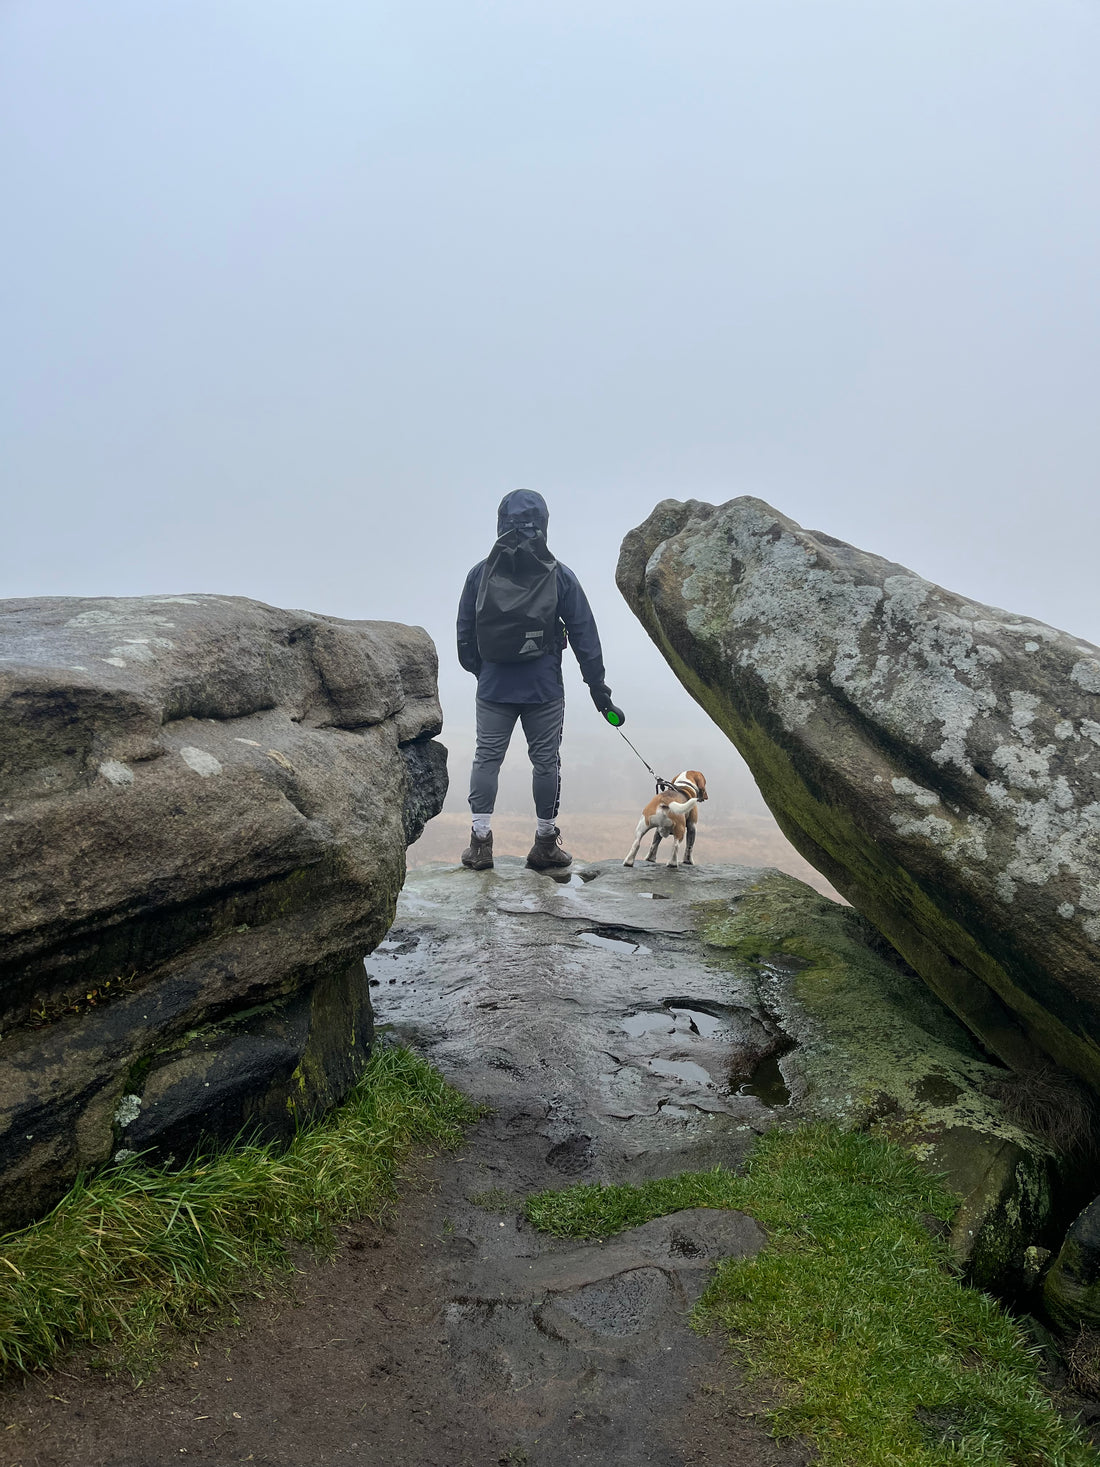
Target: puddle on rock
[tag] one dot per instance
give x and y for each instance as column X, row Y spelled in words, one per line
column 394, row 945
column 706, row 1018
column 681, row 1070
column 572, row 878
column 767, row 1084
column 707, row 1026
column 612, row 944
column 647, row 1023
column 655, row 896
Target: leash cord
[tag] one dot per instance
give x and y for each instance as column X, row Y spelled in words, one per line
column 662, row 784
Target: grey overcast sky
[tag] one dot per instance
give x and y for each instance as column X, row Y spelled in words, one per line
column 293, row 292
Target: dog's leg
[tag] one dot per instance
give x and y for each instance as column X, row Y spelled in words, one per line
column 690, row 844
column 677, row 838
column 653, row 848
column 641, row 830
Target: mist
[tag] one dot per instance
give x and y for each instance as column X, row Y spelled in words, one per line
column 293, row 294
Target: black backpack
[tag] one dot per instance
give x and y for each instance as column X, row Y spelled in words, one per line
column 517, row 601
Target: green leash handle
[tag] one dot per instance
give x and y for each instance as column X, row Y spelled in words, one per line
column 615, row 716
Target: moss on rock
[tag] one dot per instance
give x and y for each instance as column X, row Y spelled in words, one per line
column 876, row 1051
column 1071, row 1290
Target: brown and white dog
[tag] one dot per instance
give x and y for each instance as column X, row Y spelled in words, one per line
column 673, row 812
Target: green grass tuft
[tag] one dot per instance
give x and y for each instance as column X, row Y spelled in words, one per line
column 889, row 1360
column 136, row 1248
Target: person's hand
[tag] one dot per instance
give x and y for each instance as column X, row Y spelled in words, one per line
column 601, row 696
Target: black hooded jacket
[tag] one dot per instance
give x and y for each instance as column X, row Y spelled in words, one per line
column 539, row 681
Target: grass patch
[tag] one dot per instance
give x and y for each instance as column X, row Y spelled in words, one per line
column 888, row 1360
column 136, row 1248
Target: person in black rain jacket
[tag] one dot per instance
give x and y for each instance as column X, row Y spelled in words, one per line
column 531, row 692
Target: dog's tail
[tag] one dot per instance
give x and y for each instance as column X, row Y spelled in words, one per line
column 685, row 807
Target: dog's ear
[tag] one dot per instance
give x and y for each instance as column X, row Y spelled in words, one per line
column 699, row 781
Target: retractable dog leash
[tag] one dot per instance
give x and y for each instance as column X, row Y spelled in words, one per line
column 615, row 719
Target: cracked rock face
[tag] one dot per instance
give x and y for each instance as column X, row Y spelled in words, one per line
column 204, row 809
column 937, row 760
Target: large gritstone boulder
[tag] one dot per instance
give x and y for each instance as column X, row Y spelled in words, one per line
column 937, row 760
column 204, row 809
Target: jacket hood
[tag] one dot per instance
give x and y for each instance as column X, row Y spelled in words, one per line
column 524, row 510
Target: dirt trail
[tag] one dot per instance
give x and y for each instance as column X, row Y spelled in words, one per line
column 458, row 1337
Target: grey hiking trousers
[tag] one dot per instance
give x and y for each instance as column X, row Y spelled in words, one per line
column 542, row 724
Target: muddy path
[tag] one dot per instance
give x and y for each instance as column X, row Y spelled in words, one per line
column 584, row 1014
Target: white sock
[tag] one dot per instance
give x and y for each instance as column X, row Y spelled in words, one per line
column 545, row 827
column 481, row 825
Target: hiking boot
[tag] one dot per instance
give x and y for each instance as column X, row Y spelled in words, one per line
column 547, row 852
column 478, row 855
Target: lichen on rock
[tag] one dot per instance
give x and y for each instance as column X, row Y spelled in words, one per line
column 936, row 759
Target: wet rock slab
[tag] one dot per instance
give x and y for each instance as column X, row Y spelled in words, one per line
column 684, row 1243
column 594, row 1337
column 591, row 996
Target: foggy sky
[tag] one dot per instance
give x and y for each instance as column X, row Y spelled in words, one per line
column 292, row 293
